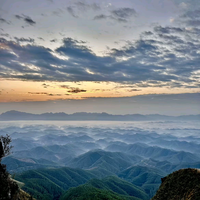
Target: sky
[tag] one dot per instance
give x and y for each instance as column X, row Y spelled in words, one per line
column 100, row 56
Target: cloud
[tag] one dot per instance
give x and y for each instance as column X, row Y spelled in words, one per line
column 72, row 89
column 74, row 48
column 45, row 85
column 192, row 14
column 119, row 19
column 147, row 33
column 168, row 30
column 2, row 20
column 76, row 90
column 57, row 12
column 18, row 17
column 81, row 7
column 121, row 15
column 166, row 56
column 31, row 40
column 39, row 93
column 71, row 11
column 84, row 6
column 65, row 86
column 124, row 13
column 193, row 23
column 54, row 40
column 83, row 64
column 54, row 94
column 190, row 18
column 99, row 17
column 44, row 93
column 125, row 86
column 40, row 38
column 133, row 90
column 27, row 19
column 5, row 34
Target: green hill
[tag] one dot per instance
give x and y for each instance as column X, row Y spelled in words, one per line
column 85, row 192
column 53, row 153
column 145, row 177
column 154, row 152
column 107, row 188
column 49, row 184
column 16, row 165
column 112, row 162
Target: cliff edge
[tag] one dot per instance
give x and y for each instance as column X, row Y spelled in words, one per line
column 183, row 184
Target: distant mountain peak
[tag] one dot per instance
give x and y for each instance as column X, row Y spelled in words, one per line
column 17, row 115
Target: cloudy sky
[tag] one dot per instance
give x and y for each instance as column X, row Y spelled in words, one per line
column 53, row 52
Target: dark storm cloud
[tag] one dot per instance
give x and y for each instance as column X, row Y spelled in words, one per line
column 166, row 56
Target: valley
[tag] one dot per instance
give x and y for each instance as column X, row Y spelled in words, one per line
column 60, row 160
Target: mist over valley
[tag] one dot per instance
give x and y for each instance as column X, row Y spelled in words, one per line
column 73, row 153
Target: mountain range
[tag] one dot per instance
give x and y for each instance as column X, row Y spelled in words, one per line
column 59, row 161
column 16, row 115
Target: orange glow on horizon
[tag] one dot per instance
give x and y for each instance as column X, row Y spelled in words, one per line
column 19, row 91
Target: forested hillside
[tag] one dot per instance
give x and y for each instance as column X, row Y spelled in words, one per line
column 126, row 162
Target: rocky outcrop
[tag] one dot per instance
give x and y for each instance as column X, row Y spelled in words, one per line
column 183, row 184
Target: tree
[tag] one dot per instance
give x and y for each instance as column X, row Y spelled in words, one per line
column 4, row 146
column 8, row 189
